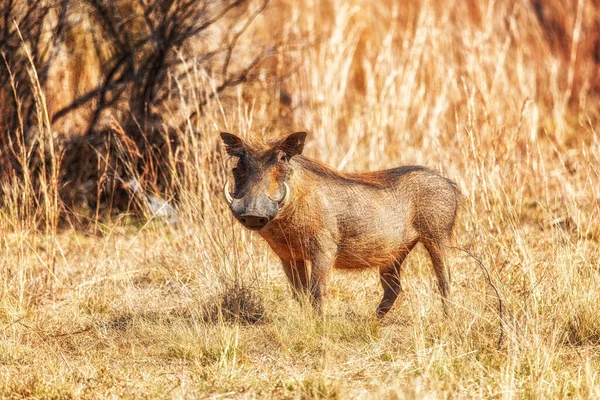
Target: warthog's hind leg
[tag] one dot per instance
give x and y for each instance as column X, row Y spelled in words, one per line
column 390, row 280
column 436, row 253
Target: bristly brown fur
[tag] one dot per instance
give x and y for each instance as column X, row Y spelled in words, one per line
column 343, row 220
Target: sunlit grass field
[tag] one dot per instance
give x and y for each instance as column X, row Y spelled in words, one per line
column 138, row 308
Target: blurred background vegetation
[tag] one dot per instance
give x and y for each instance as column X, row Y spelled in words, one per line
column 105, row 91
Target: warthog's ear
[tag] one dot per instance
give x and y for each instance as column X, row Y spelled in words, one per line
column 233, row 145
column 293, row 144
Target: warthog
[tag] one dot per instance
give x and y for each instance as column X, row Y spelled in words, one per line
column 316, row 218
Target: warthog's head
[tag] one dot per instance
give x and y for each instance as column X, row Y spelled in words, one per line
column 261, row 176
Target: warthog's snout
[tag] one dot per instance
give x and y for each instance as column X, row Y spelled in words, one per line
column 254, row 212
column 255, row 209
column 254, row 221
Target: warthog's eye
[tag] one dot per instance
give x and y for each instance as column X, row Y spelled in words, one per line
column 239, row 169
column 281, row 157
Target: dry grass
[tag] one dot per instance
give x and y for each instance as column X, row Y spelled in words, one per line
column 202, row 309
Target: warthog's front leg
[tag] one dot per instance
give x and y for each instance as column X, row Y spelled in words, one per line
column 297, row 274
column 308, row 283
column 321, row 263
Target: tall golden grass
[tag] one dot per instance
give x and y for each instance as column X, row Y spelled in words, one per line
column 500, row 96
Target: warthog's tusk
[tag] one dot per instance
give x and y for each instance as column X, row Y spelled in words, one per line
column 226, row 193
column 285, row 195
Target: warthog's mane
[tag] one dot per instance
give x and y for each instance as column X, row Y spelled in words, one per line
column 377, row 179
